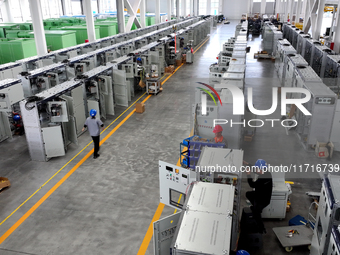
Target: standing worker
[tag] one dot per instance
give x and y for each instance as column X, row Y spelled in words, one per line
column 260, row 197
column 93, row 124
column 218, row 136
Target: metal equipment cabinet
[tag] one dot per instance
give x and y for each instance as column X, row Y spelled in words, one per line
column 326, row 232
column 278, row 203
column 293, row 61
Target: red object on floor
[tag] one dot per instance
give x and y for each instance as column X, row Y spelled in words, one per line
column 86, row 40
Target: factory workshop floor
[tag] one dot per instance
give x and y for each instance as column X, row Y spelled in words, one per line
column 77, row 205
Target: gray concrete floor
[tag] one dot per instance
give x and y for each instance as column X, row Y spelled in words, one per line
column 106, row 205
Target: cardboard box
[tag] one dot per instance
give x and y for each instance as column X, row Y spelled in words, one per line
column 178, row 62
column 169, row 69
column 324, row 150
column 140, row 107
column 4, row 183
column 184, row 58
column 248, row 138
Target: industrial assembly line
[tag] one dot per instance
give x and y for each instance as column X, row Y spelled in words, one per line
column 133, row 59
column 196, row 188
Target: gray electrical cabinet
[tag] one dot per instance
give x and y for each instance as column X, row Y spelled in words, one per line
column 320, row 58
column 308, row 50
column 318, row 126
column 293, row 61
column 301, row 41
column 326, row 230
column 284, row 52
column 278, row 203
column 206, row 221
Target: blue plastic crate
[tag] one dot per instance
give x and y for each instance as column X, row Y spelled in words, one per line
column 297, row 220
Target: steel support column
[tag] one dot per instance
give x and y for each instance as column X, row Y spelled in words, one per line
column 91, row 34
column 120, row 16
column 319, row 18
column 208, row 7
column 169, row 10
column 142, row 13
column 263, row 6
column 38, row 27
column 177, row 10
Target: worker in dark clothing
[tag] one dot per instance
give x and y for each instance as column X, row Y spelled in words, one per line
column 93, row 124
column 260, row 197
column 172, row 43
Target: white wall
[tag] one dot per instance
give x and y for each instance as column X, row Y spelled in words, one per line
column 233, row 9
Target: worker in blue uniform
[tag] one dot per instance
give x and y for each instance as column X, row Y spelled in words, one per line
column 93, row 125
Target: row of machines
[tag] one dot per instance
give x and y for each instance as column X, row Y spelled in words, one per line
column 302, row 62
column 55, row 100
column 229, row 70
column 233, row 73
column 208, row 220
column 208, row 197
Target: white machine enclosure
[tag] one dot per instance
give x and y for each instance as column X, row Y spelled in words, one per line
column 291, row 33
column 205, row 220
column 334, row 242
column 230, row 162
column 301, row 42
column 320, row 58
column 277, row 36
column 173, row 184
column 278, row 202
column 327, row 218
column 41, row 79
column 286, row 29
column 295, row 36
column 10, row 70
column 49, row 127
column 332, row 72
column 293, row 60
column 284, row 52
column 318, row 126
column 277, row 51
column 11, row 93
column 308, row 50
column 304, row 74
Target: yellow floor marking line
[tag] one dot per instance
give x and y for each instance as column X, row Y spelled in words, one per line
column 50, row 192
column 67, row 163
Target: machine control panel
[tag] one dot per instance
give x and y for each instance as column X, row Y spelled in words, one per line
column 325, row 100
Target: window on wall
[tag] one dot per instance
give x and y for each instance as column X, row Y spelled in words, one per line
column 16, row 11
column 214, row 7
column 94, row 6
column 108, row 6
column 202, row 7
column 76, row 7
column 51, row 9
column 187, row 7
